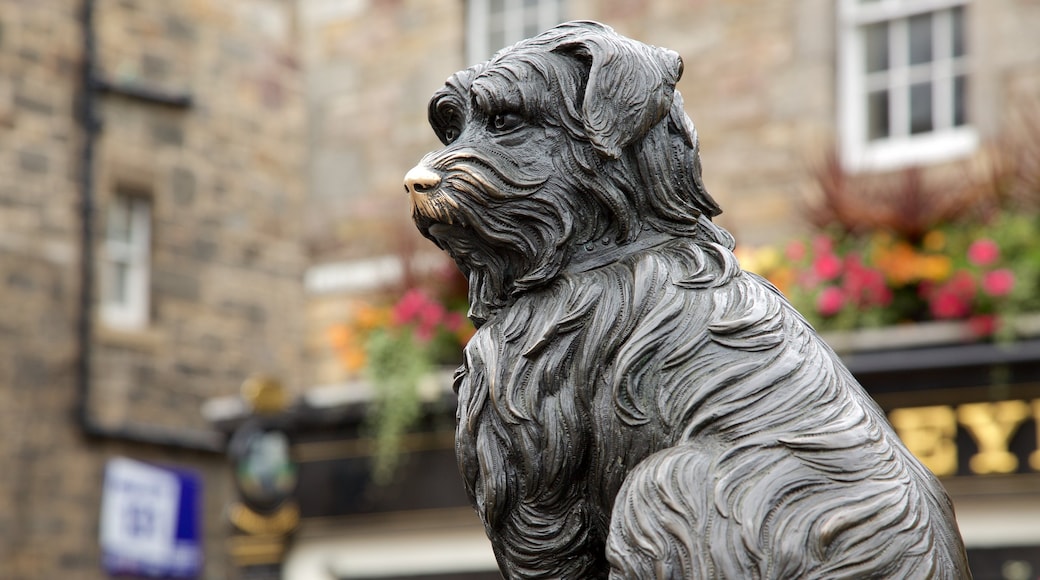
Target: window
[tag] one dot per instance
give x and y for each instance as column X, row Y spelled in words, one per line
column 904, row 82
column 125, row 262
column 495, row 24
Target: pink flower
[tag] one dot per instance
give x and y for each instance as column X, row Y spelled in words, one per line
column 983, row 252
column 424, row 333
column 953, row 299
column 822, row 245
column 408, row 307
column 983, row 325
column 998, row 282
column 453, row 321
column 962, row 284
column 431, row 314
column 827, row 267
column 830, row 301
column 430, row 317
column 946, row 304
column 795, row 250
column 866, row 285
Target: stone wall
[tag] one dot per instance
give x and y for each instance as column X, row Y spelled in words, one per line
column 39, row 47
column 225, row 176
column 371, row 67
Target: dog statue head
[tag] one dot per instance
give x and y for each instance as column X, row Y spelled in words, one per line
column 561, row 154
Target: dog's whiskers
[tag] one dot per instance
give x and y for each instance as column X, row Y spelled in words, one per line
column 492, row 180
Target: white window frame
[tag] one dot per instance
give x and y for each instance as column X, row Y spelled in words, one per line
column 898, row 150
column 133, row 253
column 513, row 18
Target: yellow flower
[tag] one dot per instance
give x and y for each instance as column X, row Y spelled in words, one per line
column 934, row 241
column 768, row 258
column 347, row 345
column 761, row 260
column 782, row 278
column 368, row 317
column 900, row 263
column 935, row 268
column 353, row 360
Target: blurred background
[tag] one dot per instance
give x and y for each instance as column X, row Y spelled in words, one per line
column 226, row 353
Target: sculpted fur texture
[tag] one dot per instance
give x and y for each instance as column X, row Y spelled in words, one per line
column 633, row 404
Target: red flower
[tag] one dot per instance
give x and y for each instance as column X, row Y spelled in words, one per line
column 953, row 299
column 998, row 282
column 983, row 325
column 830, row 301
column 963, row 284
column 983, row 252
column 827, row 267
column 822, row 245
column 453, row 321
column 946, row 304
column 409, row 307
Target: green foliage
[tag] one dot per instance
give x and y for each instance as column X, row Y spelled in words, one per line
column 396, row 365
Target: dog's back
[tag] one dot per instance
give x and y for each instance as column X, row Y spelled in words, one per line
column 735, row 444
column 781, row 466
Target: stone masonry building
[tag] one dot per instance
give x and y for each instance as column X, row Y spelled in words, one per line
column 151, row 185
column 774, row 87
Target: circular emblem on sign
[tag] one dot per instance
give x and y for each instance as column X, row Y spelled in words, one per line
column 264, row 473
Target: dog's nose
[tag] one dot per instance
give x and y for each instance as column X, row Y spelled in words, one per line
column 421, row 180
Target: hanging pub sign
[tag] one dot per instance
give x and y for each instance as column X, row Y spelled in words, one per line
column 263, row 471
column 265, row 477
column 150, row 519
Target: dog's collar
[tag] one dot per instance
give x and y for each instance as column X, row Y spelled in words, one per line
column 592, row 255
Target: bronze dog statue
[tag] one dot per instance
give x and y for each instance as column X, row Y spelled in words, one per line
column 633, row 404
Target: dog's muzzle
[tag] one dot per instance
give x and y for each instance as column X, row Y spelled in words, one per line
column 428, row 198
column 421, row 181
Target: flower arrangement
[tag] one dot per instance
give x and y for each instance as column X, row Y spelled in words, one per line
column 983, row 274
column 955, row 244
column 395, row 346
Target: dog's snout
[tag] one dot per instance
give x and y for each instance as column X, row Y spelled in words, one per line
column 421, row 180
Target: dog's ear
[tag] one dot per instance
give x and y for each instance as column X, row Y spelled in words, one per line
column 630, row 85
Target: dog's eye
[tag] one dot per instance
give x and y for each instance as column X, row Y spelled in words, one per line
column 506, row 121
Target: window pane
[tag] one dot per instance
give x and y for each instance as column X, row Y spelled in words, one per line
column 139, row 216
column 957, row 19
column 876, row 36
column 118, row 226
column 116, row 288
column 960, row 98
column 920, row 108
column 920, row 39
column 877, row 115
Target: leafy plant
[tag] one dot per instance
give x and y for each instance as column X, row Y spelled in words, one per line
column 395, row 347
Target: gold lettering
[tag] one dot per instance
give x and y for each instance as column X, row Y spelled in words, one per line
column 1034, row 457
column 929, row 433
column 992, row 425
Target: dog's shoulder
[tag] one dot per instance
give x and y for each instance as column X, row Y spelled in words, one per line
column 685, row 282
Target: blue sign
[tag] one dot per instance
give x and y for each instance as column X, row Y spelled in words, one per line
column 150, row 519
